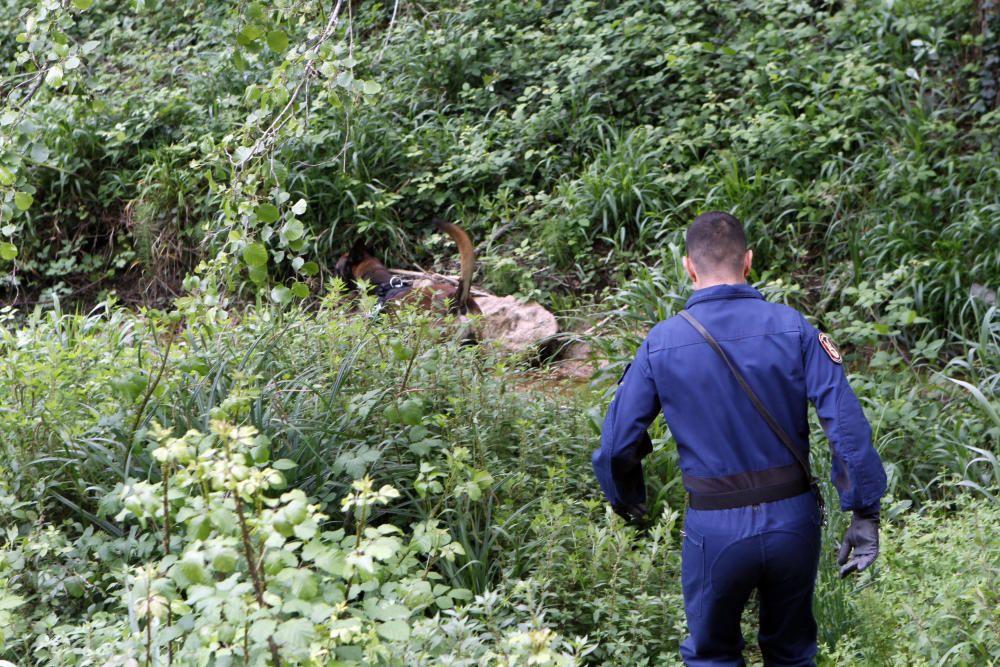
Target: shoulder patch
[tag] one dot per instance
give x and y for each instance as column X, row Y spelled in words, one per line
column 830, row 348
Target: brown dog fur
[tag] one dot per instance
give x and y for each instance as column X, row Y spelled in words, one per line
column 360, row 264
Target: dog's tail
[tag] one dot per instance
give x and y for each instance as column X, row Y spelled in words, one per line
column 468, row 257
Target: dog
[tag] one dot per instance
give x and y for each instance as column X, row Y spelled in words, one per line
column 360, row 264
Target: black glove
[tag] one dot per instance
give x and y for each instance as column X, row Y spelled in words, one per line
column 633, row 514
column 860, row 546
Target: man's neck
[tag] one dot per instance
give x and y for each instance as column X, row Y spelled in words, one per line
column 714, row 282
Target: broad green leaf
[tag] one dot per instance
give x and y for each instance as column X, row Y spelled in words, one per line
column 6, row 176
column 310, row 269
column 301, row 290
column 281, row 294
column 83, row 5
column 39, row 152
column 54, row 77
column 258, row 275
column 262, row 629
column 8, row 251
column 398, row 631
column 23, row 201
column 255, row 254
column 249, row 35
column 296, row 633
column 372, row 87
column 9, row 601
column 267, row 213
column 242, row 154
column 461, row 594
column 277, row 40
column 300, row 207
column 389, row 612
column 294, row 230
column 239, row 62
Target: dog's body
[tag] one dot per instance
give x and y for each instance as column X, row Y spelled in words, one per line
column 360, row 264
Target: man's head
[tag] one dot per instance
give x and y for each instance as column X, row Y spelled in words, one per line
column 717, row 250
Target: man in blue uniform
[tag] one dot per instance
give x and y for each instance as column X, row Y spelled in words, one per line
column 753, row 520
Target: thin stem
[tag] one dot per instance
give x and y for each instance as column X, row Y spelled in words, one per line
column 166, row 552
column 255, row 574
column 156, row 381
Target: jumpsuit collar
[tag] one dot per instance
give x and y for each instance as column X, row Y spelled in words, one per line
column 716, row 292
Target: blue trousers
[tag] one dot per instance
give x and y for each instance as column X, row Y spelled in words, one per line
column 772, row 547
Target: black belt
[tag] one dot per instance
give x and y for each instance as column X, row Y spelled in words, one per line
column 746, row 488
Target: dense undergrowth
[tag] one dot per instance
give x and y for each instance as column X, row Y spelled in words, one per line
column 401, row 498
column 235, row 479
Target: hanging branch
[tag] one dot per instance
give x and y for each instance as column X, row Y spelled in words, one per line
column 269, row 136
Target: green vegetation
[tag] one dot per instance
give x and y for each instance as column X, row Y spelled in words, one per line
column 208, row 456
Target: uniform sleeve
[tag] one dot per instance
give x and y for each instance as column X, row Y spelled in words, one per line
column 856, row 470
column 624, row 441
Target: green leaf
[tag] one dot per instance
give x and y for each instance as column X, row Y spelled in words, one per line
column 23, row 201
column 294, row 230
column 284, row 464
column 9, row 601
column 249, row 35
column 300, row 207
column 301, row 290
column 267, row 213
column 389, row 612
column 398, row 631
column 461, row 594
column 371, row 87
column 54, row 77
column 8, row 251
column 277, row 40
column 262, row 629
column 239, row 62
column 258, row 275
column 295, row 634
column 310, row 269
column 242, row 154
column 6, row 176
column 255, row 254
column 83, row 5
column 281, row 294
column 39, row 152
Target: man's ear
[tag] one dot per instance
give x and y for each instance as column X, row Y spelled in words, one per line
column 747, row 263
column 689, row 267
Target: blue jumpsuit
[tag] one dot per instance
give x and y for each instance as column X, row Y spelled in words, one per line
column 723, row 443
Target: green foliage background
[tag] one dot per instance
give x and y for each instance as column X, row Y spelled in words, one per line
column 205, row 164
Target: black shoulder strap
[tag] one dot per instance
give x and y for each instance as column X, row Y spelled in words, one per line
column 771, row 421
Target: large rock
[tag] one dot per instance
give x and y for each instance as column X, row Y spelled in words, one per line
column 516, row 326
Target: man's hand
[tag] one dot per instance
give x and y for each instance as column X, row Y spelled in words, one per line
column 633, row 514
column 860, row 546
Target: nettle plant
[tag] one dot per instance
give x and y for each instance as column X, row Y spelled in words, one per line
column 250, row 576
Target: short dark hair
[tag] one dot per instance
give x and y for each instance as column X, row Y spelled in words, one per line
column 717, row 243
